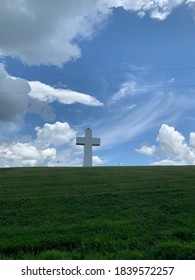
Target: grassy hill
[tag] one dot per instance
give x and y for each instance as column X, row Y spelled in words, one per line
column 97, row 213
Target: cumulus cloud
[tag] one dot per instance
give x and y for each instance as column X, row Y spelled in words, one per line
column 43, row 150
column 54, row 145
column 46, row 93
column 53, row 38
column 97, row 160
column 192, row 141
column 55, row 134
column 25, row 154
column 158, row 9
column 173, row 145
column 44, row 32
column 13, row 96
column 147, row 150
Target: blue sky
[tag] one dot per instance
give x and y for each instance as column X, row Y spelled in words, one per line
column 123, row 68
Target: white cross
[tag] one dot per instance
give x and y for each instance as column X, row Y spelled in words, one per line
column 88, row 141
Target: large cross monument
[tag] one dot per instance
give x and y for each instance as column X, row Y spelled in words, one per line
column 88, row 141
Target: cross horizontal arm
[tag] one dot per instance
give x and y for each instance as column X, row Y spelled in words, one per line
column 80, row 141
column 96, row 141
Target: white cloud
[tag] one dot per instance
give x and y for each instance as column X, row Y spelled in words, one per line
column 132, row 87
column 173, row 145
column 158, row 9
column 13, row 96
column 156, row 105
column 25, row 154
column 144, row 116
column 166, row 162
column 147, row 150
column 55, row 134
column 127, row 88
column 46, row 93
column 97, row 160
column 44, row 32
column 192, row 141
column 171, row 81
column 18, row 96
column 53, row 144
column 172, row 142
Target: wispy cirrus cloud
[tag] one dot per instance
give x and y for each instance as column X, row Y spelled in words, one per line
column 129, row 88
column 140, row 105
column 136, row 121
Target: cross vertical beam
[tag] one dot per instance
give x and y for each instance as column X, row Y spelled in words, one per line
column 88, row 141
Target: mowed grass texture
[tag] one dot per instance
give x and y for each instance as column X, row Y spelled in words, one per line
column 97, row 213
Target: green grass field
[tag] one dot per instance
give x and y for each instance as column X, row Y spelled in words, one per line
column 97, row 213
